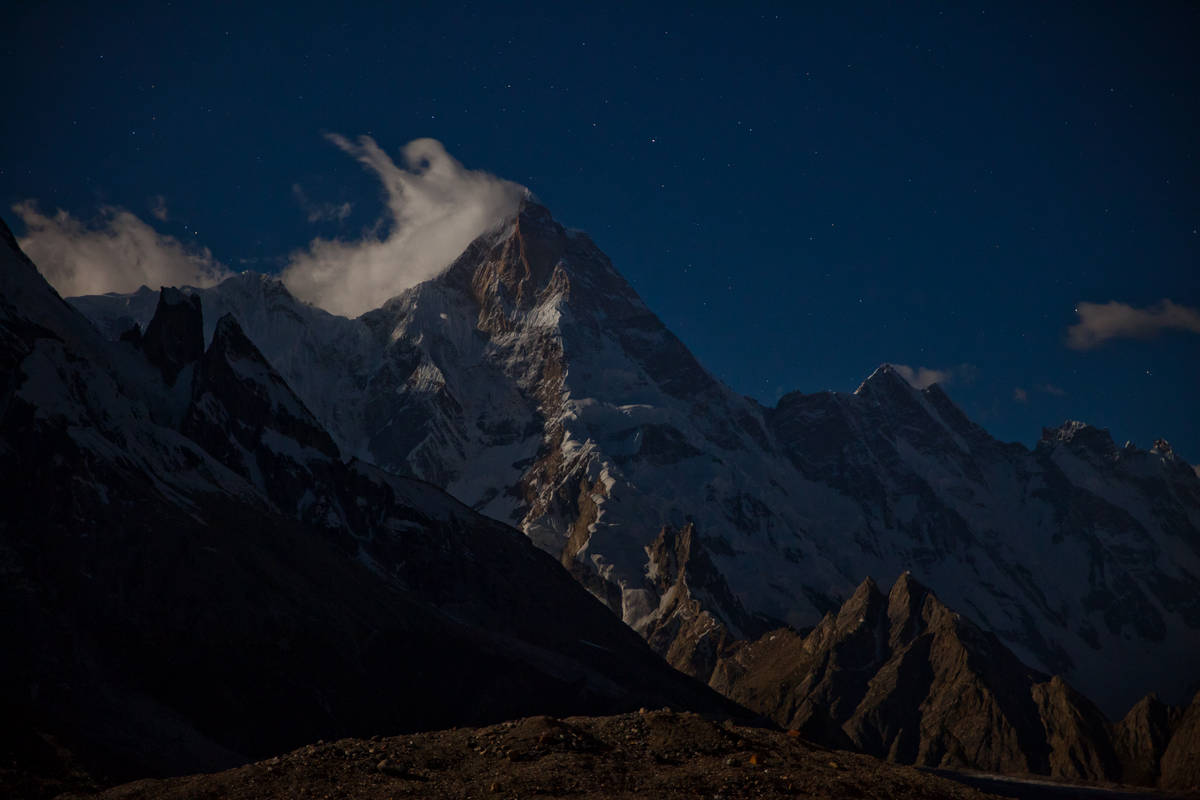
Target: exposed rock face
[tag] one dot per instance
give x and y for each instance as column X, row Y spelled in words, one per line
column 235, row 373
column 685, row 585
column 175, row 336
column 907, row 679
column 1078, row 735
column 532, row 382
column 1141, row 738
column 171, row 604
column 246, row 416
column 1181, row 761
column 788, row 676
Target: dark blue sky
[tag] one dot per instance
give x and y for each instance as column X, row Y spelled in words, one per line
column 799, row 194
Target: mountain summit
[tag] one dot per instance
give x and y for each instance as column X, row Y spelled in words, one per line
column 193, row 575
column 530, row 381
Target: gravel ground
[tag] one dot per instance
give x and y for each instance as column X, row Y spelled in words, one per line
column 655, row 754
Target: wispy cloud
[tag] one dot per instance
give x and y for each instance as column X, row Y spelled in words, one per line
column 1020, row 395
column 1100, row 322
column 922, row 377
column 117, row 252
column 435, row 208
column 1050, row 388
column 321, row 212
column 158, row 208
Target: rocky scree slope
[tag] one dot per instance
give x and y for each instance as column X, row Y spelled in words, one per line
column 532, row 382
column 192, row 576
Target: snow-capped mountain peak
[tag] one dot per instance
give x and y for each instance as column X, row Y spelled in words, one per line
column 885, row 379
column 531, row 381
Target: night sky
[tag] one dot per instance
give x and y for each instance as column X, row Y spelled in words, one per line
column 800, row 195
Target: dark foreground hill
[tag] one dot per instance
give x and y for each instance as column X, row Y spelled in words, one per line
column 659, row 754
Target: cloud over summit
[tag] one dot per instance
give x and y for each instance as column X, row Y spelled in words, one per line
column 117, row 252
column 435, row 208
column 922, row 377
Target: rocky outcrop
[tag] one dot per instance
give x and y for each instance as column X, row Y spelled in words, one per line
column 1141, row 738
column 237, row 375
column 684, row 585
column 175, row 336
column 1180, row 765
column 1078, row 735
column 247, row 417
column 795, row 676
column 905, row 678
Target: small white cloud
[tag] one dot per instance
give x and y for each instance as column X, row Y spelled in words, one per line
column 1020, row 395
column 116, row 253
column 922, row 377
column 158, row 208
column 435, row 208
column 321, row 212
column 1050, row 388
column 1099, row 322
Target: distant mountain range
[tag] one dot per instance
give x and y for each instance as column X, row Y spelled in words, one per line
column 235, row 527
column 532, row 383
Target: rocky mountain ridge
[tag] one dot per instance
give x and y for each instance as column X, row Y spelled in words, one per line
column 193, row 576
column 902, row 677
column 531, row 382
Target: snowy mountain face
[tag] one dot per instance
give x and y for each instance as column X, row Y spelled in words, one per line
column 532, row 383
column 193, row 575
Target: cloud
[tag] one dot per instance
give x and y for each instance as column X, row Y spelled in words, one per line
column 321, row 212
column 435, row 208
column 1099, row 322
column 158, row 208
column 1050, row 388
column 1020, row 395
column 922, row 377
column 117, row 252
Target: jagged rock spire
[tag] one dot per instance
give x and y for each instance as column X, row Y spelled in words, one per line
column 175, row 336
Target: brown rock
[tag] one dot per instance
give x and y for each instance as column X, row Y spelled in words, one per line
column 905, row 678
column 1181, row 761
column 1141, row 738
column 1078, row 734
column 690, row 636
